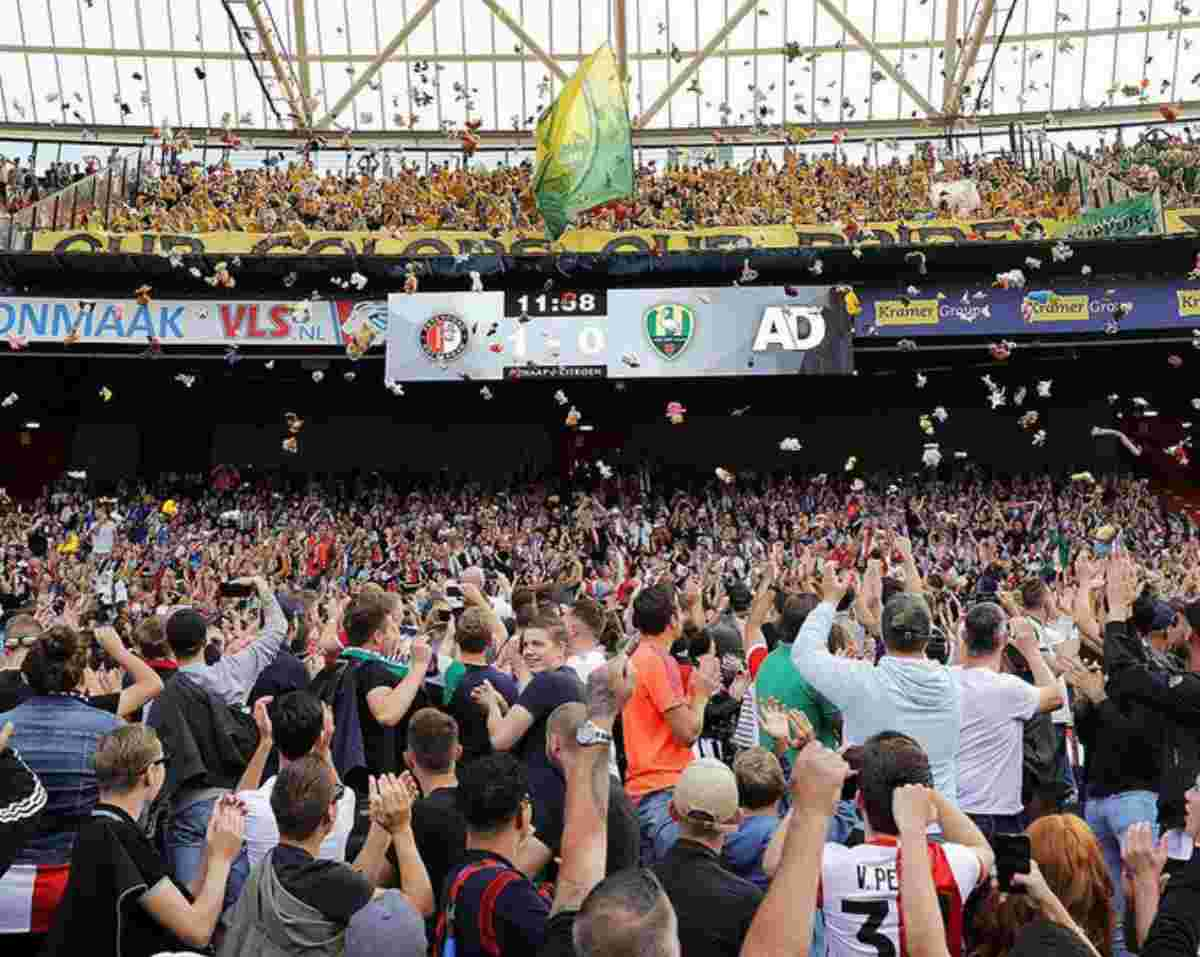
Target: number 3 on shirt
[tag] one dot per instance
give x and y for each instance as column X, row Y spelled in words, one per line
column 875, row 912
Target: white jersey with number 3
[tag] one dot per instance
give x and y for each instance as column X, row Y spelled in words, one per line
column 860, row 895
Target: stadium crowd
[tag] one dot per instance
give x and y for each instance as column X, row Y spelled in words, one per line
column 392, row 195
column 246, row 717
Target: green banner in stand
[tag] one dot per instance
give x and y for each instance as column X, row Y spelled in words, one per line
column 1140, row 216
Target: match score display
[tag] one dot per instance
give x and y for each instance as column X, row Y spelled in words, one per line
column 585, row 333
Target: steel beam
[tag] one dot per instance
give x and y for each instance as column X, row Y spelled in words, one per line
column 283, row 75
column 433, row 140
column 529, row 43
column 733, row 53
column 970, row 55
column 685, row 76
column 377, row 63
column 301, row 57
column 622, row 32
column 950, row 52
column 877, row 55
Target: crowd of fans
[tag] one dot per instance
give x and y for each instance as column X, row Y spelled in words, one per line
column 1169, row 164
column 350, row 717
column 392, row 195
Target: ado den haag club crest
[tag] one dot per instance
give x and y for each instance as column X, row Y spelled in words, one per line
column 669, row 329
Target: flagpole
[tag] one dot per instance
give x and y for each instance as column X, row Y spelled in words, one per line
column 622, row 39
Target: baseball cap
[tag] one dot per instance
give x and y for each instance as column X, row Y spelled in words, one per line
column 1164, row 616
column 706, row 793
column 389, row 926
column 907, row 613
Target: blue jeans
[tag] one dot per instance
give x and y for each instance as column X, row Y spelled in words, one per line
column 659, row 833
column 1109, row 818
column 845, row 819
column 1064, row 770
column 993, row 824
column 185, row 839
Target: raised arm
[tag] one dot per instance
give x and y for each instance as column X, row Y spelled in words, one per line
column 782, row 926
column 146, row 684
column 841, row 680
column 585, row 828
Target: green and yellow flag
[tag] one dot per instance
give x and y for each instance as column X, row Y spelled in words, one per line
column 584, row 144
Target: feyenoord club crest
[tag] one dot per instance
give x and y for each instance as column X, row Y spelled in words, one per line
column 444, row 337
column 669, row 329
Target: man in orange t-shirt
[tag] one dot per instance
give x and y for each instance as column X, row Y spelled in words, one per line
column 662, row 720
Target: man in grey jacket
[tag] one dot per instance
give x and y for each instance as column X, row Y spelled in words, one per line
column 905, row 692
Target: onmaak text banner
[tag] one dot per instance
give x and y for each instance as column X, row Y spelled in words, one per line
column 306, row 323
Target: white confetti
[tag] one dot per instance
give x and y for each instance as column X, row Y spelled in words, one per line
column 790, row 444
column 1019, row 396
column 922, row 381
column 851, row 463
column 907, row 345
column 932, row 456
column 318, row 376
column 941, row 414
column 561, row 397
column 997, row 398
column 1033, row 263
column 1039, row 437
column 1061, row 252
column 817, row 267
column 270, row 365
column 725, row 476
column 486, row 393
column 1043, row 388
column 187, row 380
column 1086, row 270
column 605, row 471
column 349, row 376
column 10, row 400
column 358, row 281
column 476, row 282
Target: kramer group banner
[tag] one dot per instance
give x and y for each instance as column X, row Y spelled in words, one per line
column 232, row 322
column 959, row 311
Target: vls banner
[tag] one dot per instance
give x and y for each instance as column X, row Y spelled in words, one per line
column 959, row 311
column 233, row 322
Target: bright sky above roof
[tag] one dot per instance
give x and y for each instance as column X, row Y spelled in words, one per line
column 76, row 61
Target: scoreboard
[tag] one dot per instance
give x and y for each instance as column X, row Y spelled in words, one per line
column 587, row 333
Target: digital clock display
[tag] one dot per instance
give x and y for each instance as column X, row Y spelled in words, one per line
column 556, row 302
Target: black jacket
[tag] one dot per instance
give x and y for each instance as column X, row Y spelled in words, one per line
column 207, row 743
column 1176, row 929
column 1135, row 676
column 1124, row 745
column 714, row 906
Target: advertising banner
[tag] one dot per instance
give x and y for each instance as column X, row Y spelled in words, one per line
column 530, row 243
column 250, row 323
column 624, row 333
column 957, row 310
column 1133, row 217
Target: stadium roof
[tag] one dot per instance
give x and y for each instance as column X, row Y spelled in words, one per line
column 408, row 68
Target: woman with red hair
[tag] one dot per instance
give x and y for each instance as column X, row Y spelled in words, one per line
column 1069, row 857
